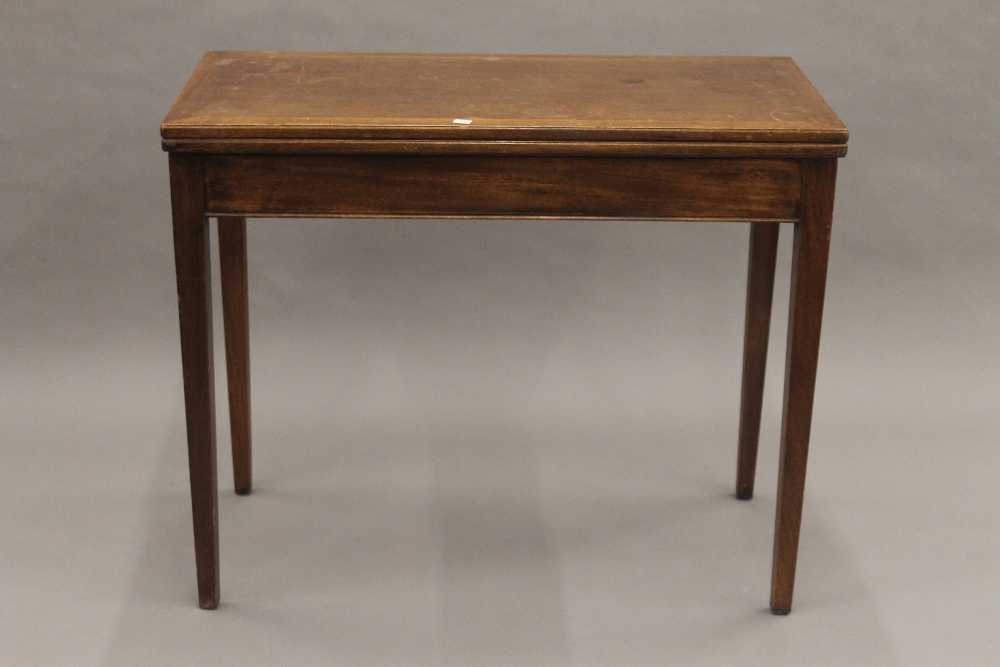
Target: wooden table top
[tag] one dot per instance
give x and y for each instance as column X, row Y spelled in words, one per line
column 236, row 96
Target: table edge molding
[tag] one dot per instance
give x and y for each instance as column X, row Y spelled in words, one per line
column 483, row 147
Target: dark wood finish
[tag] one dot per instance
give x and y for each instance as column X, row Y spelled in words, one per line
column 194, row 298
column 374, row 135
column 760, row 291
column 235, row 313
column 487, row 147
column 503, row 186
column 809, row 262
column 258, row 95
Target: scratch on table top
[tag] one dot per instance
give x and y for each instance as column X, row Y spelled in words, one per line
column 280, row 92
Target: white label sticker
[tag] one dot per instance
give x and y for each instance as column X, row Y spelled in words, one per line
column 462, row 121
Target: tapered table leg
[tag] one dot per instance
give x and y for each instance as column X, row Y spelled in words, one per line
column 760, row 291
column 194, row 299
column 235, row 311
column 809, row 263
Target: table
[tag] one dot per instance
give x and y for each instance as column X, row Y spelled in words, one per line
column 731, row 139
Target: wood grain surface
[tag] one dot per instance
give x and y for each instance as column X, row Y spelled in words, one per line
column 366, row 96
column 502, row 187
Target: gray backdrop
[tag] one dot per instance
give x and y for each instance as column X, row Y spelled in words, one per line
column 498, row 443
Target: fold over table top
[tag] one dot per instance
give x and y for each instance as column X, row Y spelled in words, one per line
column 247, row 101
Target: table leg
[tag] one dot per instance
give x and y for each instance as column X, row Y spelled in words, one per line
column 194, row 297
column 760, row 290
column 809, row 262
column 235, row 316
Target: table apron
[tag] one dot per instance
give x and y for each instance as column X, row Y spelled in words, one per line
column 503, row 186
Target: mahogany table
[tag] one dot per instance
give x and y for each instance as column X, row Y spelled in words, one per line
column 732, row 139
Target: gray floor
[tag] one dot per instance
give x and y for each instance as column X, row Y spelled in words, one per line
column 500, row 443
